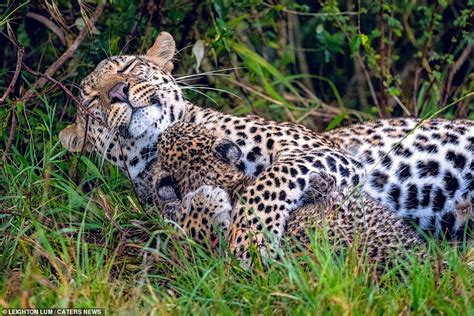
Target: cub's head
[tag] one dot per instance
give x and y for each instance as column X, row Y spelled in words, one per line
column 192, row 156
column 127, row 102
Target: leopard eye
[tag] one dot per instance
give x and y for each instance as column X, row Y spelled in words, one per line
column 129, row 66
column 89, row 103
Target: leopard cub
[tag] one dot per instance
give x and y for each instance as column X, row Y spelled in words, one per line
column 197, row 177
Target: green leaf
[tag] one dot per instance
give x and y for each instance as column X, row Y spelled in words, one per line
column 20, row 105
column 80, row 24
column 278, row 7
column 177, row 15
column 364, row 39
column 23, row 37
column 375, row 33
column 355, row 43
column 198, row 52
column 319, row 29
column 394, row 91
column 257, row 63
column 336, row 121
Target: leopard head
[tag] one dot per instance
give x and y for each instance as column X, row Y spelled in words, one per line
column 126, row 103
column 193, row 156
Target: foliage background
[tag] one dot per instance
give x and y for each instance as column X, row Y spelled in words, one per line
column 322, row 63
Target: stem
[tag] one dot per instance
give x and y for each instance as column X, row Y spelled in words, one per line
column 383, row 74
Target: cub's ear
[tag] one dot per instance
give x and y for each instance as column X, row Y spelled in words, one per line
column 227, row 151
column 163, row 50
column 72, row 138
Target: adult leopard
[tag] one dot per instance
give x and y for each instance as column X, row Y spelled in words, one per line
column 128, row 101
column 417, row 167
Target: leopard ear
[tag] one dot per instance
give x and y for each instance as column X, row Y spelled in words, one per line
column 73, row 138
column 227, row 151
column 163, row 50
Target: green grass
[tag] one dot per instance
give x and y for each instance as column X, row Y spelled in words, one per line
column 62, row 245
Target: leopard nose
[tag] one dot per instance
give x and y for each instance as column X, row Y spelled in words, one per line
column 119, row 92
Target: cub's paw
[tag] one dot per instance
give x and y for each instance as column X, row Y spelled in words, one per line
column 167, row 196
column 254, row 250
column 166, row 188
column 211, row 202
column 171, row 210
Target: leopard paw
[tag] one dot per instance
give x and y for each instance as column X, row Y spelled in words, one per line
column 166, row 188
column 167, row 196
column 211, row 201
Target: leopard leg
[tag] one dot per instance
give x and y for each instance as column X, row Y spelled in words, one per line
column 201, row 214
column 260, row 216
column 212, row 203
column 205, row 215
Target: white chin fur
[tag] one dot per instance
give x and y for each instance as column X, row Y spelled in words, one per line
column 143, row 119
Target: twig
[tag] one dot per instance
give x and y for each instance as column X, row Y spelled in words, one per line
column 462, row 109
column 359, row 60
column 398, row 101
column 293, row 20
column 9, row 212
column 424, row 63
column 48, row 74
column 52, row 8
column 86, row 112
column 383, row 75
column 19, row 61
column 14, row 120
column 406, row 25
column 415, row 91
column 67, row 91
column 70, row 51
column 48, row 77
column 367, row 78
column 49, row 24
column 151, row 8
column 400, row 104
column 83, row 147
column 325, row 108
column 141, row 9
column 11, row 136
column 357, row 81
column 454, row 69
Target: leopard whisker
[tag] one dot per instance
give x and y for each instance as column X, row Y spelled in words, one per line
column 212, row 72
column 109, row 137
column 199, row 92
column 75, row 85
column 198, row 76
column 205, row 87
